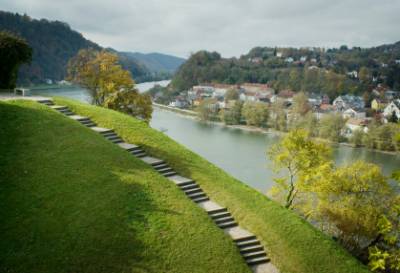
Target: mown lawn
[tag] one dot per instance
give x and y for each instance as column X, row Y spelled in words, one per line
column 294, row 245
column 72, row 202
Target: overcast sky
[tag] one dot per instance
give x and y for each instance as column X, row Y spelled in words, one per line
column 231, row 27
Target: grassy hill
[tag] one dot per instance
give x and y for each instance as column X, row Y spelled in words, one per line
column 70, row 201
column 293, row 244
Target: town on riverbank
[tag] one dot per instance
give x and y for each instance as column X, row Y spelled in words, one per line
column 362, row 121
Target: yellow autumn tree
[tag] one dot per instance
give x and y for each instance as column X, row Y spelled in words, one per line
column 108, row 83
column 297, row 158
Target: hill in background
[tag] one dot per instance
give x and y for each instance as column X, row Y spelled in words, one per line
column 54, row 43
column 330, row 71
column 157, row 62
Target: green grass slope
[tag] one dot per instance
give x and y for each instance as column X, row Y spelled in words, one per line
column 70, row 201
column 293, row 244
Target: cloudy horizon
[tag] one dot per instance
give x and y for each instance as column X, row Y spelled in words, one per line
column 231, row 27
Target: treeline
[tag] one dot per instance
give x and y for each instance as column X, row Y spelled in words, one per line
column 310, row 70
column 330, row 127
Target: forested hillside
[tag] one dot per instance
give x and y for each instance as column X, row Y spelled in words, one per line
column 331, row 71
column 157, row 62
column 53, row 44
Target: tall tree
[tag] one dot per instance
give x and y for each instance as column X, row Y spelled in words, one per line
column 14, row 51
column 363, row 75
column 278, row 116
column 233, row 115
column 299, row 108
column 231, row 94
column 349, row 204
column 298, row 157
column 109, row 85
column 207, row 110
column 256, row 113
column 331, row 127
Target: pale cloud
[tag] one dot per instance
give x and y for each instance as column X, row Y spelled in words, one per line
column 231, row 27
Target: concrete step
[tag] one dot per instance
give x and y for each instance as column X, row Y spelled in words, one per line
column 196, row 195
column 189, row 187
column 143, row 154
column 250, row 249
column 227, row 224
column 161, row 166
column 104, row 131
column 200, row 199
column 127, row 146
column 58, row 107
column 165, row 170
column 113, row 137
column 158, row 163
column 243, row 239
column 259, row 260
column 255, row 254
column 90, row 125
column 116, row 141
column 46, row 102
column 152, row 161
column 85, row 121
column 69, row 113
column 168, row 174
column 63, row 110
column 136, row 151
column 212, row 212
column 224, row 220
column 221, row 214
column 110, row 133
column 185, row 183
column 251, row 242
column 193, row 190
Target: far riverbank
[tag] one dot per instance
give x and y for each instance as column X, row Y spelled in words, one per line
column 193, row 115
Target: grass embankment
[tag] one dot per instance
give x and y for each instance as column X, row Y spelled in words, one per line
column 70, row 201
column 294, row 245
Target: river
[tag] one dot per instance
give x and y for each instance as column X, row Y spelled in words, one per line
column 240, row 153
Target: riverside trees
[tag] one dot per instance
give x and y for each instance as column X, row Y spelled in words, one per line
column 109, row 85
column 354, row 203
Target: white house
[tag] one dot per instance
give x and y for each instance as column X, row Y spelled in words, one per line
column 354, row 113
column 248, row 96
column 279, row 54
column 353, row 74
column 303, row 59
column 348, row 101
column 394, row 106
column 219, row 92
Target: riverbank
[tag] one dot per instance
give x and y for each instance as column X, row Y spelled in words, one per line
column 266, row 131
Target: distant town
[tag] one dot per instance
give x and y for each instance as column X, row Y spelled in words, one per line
column 358, row 112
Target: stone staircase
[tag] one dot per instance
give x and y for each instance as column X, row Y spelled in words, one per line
column 248, row 245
